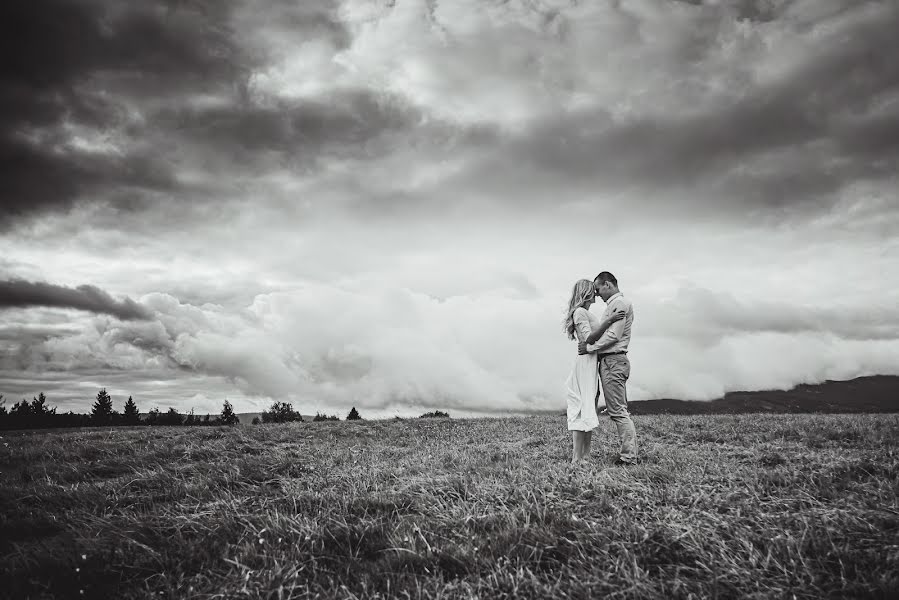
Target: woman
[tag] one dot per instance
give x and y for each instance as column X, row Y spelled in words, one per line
column 582, row 383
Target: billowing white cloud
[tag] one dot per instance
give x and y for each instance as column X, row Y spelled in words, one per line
column 390, row 350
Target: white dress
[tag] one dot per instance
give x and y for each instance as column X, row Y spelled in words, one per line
column 583, row 382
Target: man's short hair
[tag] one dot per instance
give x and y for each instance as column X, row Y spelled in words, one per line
column 606, row 277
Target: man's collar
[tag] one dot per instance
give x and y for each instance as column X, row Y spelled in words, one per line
column 612, row 297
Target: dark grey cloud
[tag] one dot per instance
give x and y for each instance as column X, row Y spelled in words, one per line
column 83, row 63
column 828, row 124
column 289, row 132
column 53, row 45
column 171, row 84
column 41, row 178
column 17, row 293
column 131, row 73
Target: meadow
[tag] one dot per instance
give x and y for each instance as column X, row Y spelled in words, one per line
column 727, row 506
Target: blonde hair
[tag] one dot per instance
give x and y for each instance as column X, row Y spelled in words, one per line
column 580, row 293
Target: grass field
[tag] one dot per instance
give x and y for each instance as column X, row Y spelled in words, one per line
column 750, row 506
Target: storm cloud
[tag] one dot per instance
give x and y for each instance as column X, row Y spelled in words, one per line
column 109, row 104
column 19, row 293
column 768, row 105
column 71, row 82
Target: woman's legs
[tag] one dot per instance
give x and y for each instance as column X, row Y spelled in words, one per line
column 588, row 437
column 577, row 443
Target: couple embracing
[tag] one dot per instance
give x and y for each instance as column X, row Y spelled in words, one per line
column 601, row 362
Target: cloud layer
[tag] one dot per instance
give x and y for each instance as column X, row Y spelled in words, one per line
column 388, row 351
column 728, row 106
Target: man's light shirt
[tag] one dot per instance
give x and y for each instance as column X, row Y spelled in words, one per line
column 620, row 331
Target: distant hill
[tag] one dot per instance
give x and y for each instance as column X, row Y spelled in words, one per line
column 876, row 394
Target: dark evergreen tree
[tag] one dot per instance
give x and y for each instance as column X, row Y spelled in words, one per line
column 41, row 414
column 354, row 415
column 21, row 409
column 131, row 416
column 20, row 415
column 39, row 406
column 228, row 417
column 101, row 412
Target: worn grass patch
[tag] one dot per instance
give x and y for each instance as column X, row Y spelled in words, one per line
column 749, row 506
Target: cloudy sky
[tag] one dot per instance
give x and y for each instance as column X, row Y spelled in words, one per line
column 384, row 203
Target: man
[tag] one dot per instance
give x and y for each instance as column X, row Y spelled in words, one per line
column 614, row 367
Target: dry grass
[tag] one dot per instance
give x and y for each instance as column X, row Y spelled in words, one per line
column 748, row 506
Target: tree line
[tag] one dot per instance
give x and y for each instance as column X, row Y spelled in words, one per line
column 37, row 414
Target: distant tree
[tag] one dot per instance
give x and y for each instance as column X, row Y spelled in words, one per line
column 206, row 419
column 323, row 417
column 171, row 417
column 354, row 415
column 435, row 415
column 21, row 410
column 39, row 405
column 130, row 416
column 101, row 412
column 25, row 414
column 153, row 417
column 256, row 420
column 20, row 415
column 281, row 412
column 191, row 419
column 228, row 417
column 41, row 414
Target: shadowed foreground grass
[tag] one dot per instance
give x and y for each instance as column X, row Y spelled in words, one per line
column 749, row 506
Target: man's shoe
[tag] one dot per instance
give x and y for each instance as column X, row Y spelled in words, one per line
column 620, row 462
